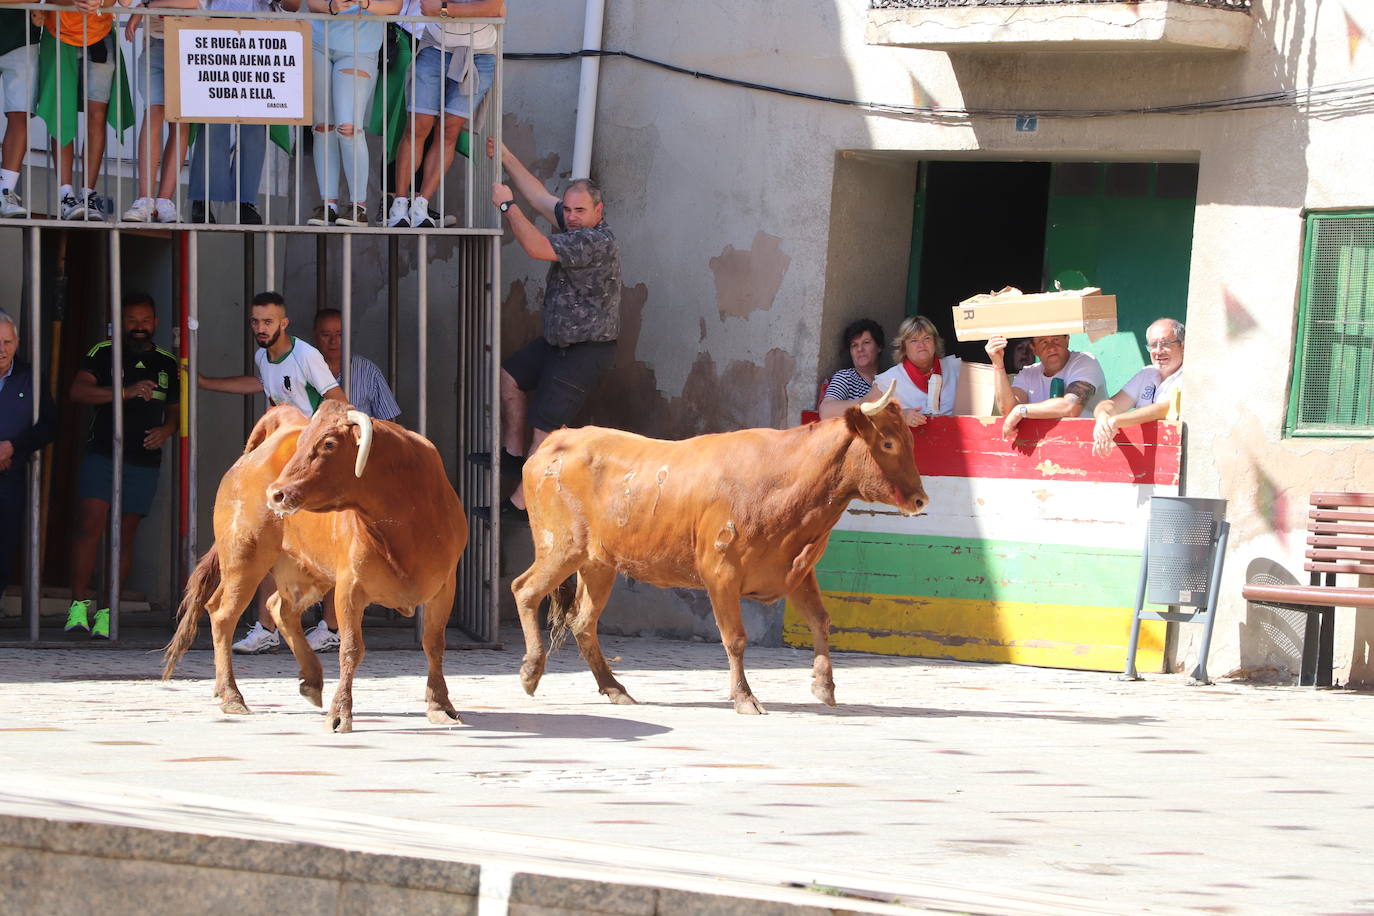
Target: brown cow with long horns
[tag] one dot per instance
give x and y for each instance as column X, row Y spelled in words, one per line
column 740, row 514
column 342, row 500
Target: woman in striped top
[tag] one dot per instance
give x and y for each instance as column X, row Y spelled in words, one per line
column 863, row 341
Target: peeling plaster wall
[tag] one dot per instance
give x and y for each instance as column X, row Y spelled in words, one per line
column 714, row 189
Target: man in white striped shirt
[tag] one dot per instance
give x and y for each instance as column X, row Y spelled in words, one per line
column 368, row 390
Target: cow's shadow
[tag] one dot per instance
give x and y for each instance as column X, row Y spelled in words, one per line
column 862, row 710
column 529, row 725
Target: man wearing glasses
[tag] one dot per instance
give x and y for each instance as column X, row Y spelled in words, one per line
column 1148, row 394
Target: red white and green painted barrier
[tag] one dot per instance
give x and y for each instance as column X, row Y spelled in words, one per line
column 1029, row 552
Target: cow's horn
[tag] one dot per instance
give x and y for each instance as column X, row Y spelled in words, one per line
column 364, row 423
column 870, row 409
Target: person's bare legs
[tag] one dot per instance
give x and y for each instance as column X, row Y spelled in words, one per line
column 16, row 141
column 517, row 498
column 173, row 155
column 407, row 162
column 95, row 142
column 149, row 152
column 429, row 179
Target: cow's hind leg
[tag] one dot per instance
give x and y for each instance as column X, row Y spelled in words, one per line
column 594, row 584
column 725, row 605
column 225, row 608
column 438, row 708
column 807, row 599
column 531, row 587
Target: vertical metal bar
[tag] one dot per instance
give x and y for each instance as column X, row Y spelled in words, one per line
column 1130, row 674
column 270, row 259
column 465, row 396
column 422, row 322
column 1218, row 558
column 491, row 293
column 117, row 443
column 393, row 307
column 192, row 394
column 250, row 279
column 321, row 270
column 33, row 596
column 346, row 363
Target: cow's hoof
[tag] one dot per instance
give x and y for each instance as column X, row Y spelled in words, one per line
column 749, row 706
column 443, row 717
column 313, row 694
column 825, row 693
column 339, row 725
column 620, row 698
column 530, row 673
column 235, row 707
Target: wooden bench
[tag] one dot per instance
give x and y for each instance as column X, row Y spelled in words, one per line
column 1340, row 539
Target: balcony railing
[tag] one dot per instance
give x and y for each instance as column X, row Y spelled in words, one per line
column 1043, row 25
column 350, row 80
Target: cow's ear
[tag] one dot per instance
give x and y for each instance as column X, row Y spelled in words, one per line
column 285, row 449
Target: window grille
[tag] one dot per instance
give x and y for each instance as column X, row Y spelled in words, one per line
column 1333, row 383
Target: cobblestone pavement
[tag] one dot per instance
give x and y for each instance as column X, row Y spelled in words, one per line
column 1231, row 798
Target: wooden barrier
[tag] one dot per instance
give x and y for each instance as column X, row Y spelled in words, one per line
column 1029, row 551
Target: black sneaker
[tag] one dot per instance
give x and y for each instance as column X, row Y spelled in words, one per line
column 200, row 213
column 509, row 462
column 249, row 215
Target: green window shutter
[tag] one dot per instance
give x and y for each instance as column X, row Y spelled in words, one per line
column 1333, row 388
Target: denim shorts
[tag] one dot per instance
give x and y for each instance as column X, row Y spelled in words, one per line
column 97, row 78
column 140, row 483
column 148, row 73
column 431, row 66
column 16, row 78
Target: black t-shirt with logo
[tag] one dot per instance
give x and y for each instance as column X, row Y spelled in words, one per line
column 155, row 365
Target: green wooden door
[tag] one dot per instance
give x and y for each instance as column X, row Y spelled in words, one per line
column 1126, row 227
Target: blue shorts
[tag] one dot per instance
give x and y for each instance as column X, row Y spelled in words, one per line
column 148, row 73
column 431, row 73
column 140, row 483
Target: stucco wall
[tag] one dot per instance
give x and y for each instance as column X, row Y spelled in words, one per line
column 728, row 200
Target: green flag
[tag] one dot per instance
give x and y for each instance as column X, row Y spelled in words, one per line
column 59, row 70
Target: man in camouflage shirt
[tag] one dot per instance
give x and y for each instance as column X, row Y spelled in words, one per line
column 548, row 380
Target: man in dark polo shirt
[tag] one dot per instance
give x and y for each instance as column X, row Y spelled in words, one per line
column 546, row 382
column 20, row 436
column 152, row 398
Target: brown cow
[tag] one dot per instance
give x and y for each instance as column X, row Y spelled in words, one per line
column 381, row 524
column 741, row 514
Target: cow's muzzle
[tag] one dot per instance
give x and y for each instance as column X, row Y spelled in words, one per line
column 280, row 502
column 915, row 504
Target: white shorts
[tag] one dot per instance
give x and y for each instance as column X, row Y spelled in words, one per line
column 17, row 78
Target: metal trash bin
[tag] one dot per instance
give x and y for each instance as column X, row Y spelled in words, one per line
column 1185, row 548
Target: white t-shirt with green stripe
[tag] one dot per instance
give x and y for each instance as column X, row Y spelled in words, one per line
column 301, row 377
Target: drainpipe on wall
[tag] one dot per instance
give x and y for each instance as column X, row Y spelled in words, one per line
column 586, row 89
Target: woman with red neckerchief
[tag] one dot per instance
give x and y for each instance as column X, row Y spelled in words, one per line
column 926, row 378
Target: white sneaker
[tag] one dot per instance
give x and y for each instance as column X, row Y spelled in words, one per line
column 259, row 639
column 74, row 207
column 400, row 213
column 11, row 207
column 165, row 211
column 322, row 639
column 141, row 212
column 419, row 214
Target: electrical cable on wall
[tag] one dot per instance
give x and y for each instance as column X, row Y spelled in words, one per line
column 1332, row 100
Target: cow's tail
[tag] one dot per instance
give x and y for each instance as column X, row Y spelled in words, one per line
column 561, row 602
column 202, row 584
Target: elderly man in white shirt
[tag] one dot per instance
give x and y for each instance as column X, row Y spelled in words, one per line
column 1148, row 394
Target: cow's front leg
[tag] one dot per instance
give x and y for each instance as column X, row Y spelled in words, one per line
column 286, row 606
column 225, row 608
column 806, row 598
column 349, row 604
column 725, row 605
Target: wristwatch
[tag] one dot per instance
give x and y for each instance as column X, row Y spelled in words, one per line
column 1022, row 410
column 506, row 205
column 443, row 9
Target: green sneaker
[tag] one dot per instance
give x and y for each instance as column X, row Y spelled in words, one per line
column 101, row 628
column 76, row 616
